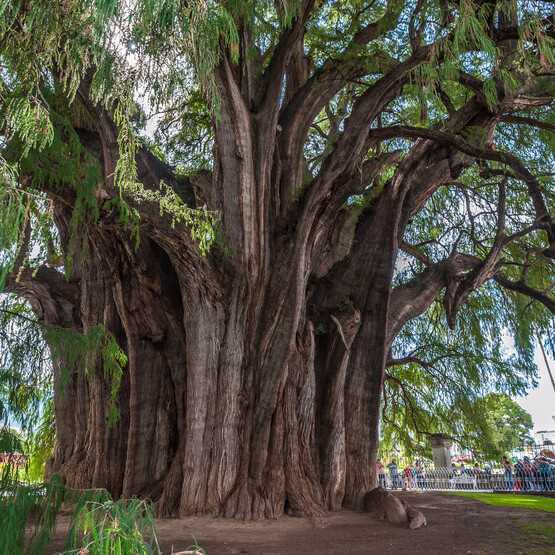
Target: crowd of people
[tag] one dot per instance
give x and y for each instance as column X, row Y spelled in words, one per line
column 405, row 478
column 522, row 475
column 530, row 475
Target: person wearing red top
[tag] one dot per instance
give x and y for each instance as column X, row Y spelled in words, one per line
column 407, row 477
column 380, row 472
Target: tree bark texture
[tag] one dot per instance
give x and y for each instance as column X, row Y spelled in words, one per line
column 254, row 378
column 254, row 373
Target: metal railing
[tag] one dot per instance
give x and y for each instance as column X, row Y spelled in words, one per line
column 532, row 470
column 444, row 479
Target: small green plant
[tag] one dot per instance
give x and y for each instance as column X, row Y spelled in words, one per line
column 27, row 513
column 113, row 527
column 99, row 525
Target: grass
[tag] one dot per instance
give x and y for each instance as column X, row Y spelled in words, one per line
column 539, row 532
column 113, row 527
column 99, row 525
column 27, row 514
column 517, row 501
column 538, row 537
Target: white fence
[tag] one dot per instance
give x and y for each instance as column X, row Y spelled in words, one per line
column 540, row 478
column 532, row 470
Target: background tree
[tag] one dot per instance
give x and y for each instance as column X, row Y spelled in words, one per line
column 510, row 423
column 229, row 283
column 490, row 427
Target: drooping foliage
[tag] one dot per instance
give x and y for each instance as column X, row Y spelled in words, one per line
column 28, row 514
column 440, row 379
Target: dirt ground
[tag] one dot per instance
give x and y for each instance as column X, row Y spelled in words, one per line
column 455, row 526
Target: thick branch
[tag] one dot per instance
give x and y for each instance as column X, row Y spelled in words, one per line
column 273, row 77
column 521, row 120
column 54, row 299
column 534, row 187
column 411, row 299
column 351, row 142
column 309, row 99
column 335, row 73
column 407, row 360
column 521, row 287
column 458, row 290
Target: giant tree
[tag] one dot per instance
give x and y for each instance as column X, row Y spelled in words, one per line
column 212, row 198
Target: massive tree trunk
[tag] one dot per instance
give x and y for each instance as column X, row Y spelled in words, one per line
column 254, row 373
column 250, row 389
column 207, row 424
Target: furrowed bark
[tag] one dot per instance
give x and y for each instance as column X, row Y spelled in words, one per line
column 255, row 373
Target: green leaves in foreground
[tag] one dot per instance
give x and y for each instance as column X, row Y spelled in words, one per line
column 113, row 527
column 86, row 352
column 27, row 514
column 99, row 525
column 26, row 350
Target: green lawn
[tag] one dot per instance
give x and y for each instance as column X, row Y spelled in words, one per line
column 541, row 535
column 512, row 500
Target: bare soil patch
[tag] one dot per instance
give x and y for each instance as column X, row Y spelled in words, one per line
column 455, row 526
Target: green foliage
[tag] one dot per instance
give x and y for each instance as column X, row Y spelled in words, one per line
column 98, row 524
column 118, row 527
column 39, row 445
column 87, row 352
column 201, row 222
column 29, row 120
column 507, row 424
column 13, row 208
column 493, row 345
column 126, row 170
column 450, row 390
column 470, row 32
column 27, row 506
column 62, row 164
column 26, row 348
column 10, row 441
column 25, row 368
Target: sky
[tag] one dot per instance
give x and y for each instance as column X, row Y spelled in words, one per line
column 540, row 402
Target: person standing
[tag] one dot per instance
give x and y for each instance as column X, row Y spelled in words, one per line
column 478, row 482
column 508, row 471
column 529, row 474
column 393, row 474
column 419, row 474
column 544, row 472
column 487, row 474
column 464, row 480
column 407, row 478
column 380, row 471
